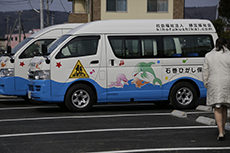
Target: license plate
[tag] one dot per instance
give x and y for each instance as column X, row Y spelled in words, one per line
column 29, row 94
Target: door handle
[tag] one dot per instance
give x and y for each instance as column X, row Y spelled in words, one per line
column 94, row 62
column 112, row 62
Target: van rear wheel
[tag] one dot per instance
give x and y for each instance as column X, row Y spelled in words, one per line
column 80, row 97
column 183, row 95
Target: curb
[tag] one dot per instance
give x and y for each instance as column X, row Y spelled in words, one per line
column 206, row 120
column 204, row 108
column 227, row 126
column 179, row 114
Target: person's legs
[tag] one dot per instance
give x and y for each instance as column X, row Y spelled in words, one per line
column 219, row 120
column 224, row 116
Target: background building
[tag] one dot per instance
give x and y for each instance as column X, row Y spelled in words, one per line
column 13, row 39
column 91, row 10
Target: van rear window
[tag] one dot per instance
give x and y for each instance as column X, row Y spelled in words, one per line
column 187, row 46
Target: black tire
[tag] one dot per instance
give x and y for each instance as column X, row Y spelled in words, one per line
column 183, row 95
column 79, row 98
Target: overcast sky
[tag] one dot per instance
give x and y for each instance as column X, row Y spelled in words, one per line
column 65, row 6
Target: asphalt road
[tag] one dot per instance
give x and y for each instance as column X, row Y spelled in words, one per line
column 42, row 128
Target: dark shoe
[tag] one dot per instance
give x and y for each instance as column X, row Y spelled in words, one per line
column 220, row 138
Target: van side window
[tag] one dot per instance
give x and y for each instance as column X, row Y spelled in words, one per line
column 187, row 46
column 169, row 47
column 149, row 47
column 79, row 46
column 35, row 49
column 134, row 46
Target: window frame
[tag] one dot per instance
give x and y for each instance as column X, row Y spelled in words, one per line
column 157, row 11
column 99, row 37
column 116, row 8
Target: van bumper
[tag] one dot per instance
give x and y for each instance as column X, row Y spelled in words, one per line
column 40, row 90
column 7, row 87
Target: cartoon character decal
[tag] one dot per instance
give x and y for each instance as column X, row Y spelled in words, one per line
column 139, row 83
column 143, row 68
column 121, row 81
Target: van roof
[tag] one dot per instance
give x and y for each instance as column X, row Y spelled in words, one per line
column 55, row 27
column 145, row 26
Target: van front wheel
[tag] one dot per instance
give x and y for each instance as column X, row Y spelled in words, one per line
column 183, row 95
column 79, row 97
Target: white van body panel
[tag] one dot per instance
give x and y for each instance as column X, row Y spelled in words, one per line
column 118, row 79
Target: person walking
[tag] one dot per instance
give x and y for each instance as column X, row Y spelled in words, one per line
column 216, row 72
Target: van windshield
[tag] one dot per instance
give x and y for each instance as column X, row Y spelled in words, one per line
column 20, row 45
column 56, row 43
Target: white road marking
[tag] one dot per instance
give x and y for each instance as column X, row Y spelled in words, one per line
column 92, row 116
column 105, row 130
column 54, row 106
column 166, row 149
column 14, row 99
column 22, row 108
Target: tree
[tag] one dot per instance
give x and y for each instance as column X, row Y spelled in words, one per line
column 224, row 10
column 219, row 26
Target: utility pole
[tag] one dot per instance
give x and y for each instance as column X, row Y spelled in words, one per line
column 19, row 25
column 52, row 18
column 11, row 32
column 7, row 24
column 91, row 12
column 41, row 14
column 47, row 13
column 7, row 27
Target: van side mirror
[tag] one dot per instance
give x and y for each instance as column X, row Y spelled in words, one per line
column 47, row 60
column 11, row 60
column 9, row 50
column 44, row 49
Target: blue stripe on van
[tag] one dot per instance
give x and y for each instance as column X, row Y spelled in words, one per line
column 41, row 91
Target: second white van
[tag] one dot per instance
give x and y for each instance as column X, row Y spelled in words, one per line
column 14, row 65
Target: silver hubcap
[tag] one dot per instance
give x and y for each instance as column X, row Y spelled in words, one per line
column 184, row 96
column 80, row 98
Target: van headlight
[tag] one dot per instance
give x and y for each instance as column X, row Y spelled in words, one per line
column 7, row 72
column 42, row 75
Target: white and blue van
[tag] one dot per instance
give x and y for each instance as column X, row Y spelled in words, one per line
column 124, row 61
column 14, row 65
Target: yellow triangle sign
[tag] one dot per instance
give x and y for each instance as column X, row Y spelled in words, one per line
column 79, row 71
